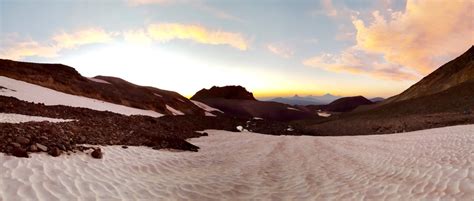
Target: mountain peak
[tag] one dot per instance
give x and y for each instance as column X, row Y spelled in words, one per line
column 226, row 92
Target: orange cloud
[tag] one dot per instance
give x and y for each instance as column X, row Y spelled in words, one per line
column 28, row 48
column 280, row 50
column 169, row 31
column 82, row 37
column 424, row 36
column 17, row 49
column 356, row 61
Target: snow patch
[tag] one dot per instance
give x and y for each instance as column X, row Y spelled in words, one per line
column 157, row 95
column 98, row 80
column 20, row 118
column 38, row 94
column 174, row 111
column 324, row 114
column 241, row 129
column 209, row 114
column 292, row 108
column 205, row 107
column 434, row 164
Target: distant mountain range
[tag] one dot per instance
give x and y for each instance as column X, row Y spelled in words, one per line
column 314, row 100
column 377, row 99
column 307, row 100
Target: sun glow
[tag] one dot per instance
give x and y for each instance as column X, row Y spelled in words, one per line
column 166, row 69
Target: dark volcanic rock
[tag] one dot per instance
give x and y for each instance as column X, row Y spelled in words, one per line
column 14, row 144
column 19, row 152
column 42, row 147
column 22, row 140
column 97, row 153
column 33, row 148
column 55, row 152
column 106, row 128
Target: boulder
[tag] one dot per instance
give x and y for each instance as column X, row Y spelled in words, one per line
column 42, row 147
column 97, row 153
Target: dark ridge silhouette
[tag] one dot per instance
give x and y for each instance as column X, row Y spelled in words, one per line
column 115, row 90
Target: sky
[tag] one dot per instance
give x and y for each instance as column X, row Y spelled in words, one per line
column 271, row 47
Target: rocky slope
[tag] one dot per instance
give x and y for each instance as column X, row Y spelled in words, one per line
column 115, row 90
column 453, row 73
column 443, row 98
column 106, row 128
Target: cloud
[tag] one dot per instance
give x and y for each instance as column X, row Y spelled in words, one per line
column 404, row 45
column 83, row 37
column 422, row 37
column 356, row 61
column 280, row 50
column 165, row 32
column 27, row 48
column 329, row 8
column 17, row 48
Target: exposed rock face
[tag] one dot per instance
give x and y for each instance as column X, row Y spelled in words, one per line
column 347, row 104
column 227, row 92
column 115, row 90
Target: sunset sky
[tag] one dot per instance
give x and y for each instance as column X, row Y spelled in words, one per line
column 273, row 48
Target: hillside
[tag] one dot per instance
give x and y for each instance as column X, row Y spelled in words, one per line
column 114, row 90
column 437, row 100
column 346, row 104
column 453, row 73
